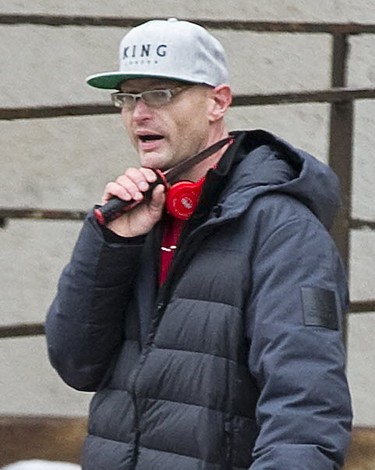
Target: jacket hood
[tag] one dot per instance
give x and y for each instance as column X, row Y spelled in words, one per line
column 261, row 162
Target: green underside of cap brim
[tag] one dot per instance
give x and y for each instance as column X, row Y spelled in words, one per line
column 111, row 81
column 108, row 81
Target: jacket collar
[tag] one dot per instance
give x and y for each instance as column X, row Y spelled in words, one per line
column 250, row 166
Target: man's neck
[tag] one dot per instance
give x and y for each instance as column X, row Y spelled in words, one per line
column 199, row 171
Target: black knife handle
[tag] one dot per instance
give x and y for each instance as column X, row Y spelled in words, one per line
column 115, row 207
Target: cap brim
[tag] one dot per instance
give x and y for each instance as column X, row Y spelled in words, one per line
column 109, row 80
column 112, row 80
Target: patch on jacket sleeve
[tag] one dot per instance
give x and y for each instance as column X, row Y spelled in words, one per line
column 319, row 307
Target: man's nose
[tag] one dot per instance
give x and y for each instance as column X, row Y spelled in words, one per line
column 141, row 110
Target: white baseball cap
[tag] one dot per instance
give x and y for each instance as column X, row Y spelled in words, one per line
column 172, row 49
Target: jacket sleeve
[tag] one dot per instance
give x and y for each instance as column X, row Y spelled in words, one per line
column 84, row 326
column 295, row 322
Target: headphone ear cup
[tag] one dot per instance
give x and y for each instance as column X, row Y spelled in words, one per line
column 182, row 198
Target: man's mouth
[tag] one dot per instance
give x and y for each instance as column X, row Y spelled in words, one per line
column 150, row 137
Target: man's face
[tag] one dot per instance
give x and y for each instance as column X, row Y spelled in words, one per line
column 166, row 134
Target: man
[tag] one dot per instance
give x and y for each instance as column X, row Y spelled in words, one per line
column 212, row 339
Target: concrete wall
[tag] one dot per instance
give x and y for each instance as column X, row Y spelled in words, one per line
column 63, row 163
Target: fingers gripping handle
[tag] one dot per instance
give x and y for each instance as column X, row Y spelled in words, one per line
column 115, row 207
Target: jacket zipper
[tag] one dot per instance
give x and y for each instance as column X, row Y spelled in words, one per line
column 133, row 383
column 228, row 433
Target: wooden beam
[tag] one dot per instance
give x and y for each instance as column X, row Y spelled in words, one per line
column 234, row 25
column 41, row 437
column 336, row 95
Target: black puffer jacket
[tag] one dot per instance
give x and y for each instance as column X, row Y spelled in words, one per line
column 237, row 362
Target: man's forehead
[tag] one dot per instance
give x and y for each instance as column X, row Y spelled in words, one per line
column 141, row 84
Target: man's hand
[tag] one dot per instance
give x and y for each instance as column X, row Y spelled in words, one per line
column 131, row 186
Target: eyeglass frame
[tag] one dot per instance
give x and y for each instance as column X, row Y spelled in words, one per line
column 170, row 93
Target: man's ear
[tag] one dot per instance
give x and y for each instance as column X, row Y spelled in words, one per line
column 221, row 100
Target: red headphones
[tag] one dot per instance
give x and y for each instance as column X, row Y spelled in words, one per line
column 182, row 198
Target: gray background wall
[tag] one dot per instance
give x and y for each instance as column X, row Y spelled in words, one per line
column 63, row 163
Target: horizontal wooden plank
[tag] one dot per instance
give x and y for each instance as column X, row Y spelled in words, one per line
column 61, row 438
column 49, row 438
column 14, row 331
column 36, row 213
column 333, row 95
column 362, row 450
column 235, row 25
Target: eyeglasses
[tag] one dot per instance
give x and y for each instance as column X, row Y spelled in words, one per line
column 150, row 97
